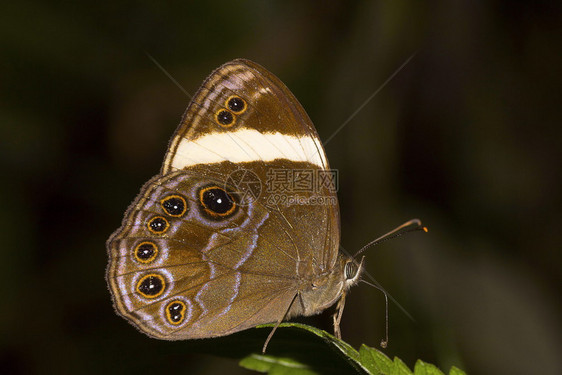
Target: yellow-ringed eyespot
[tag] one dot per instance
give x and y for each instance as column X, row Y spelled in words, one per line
column 146, row 252
column 158, row 225
column 236, row 104
column 174, row 205
column 175, row 312
column 216, row 201
column 225, row 118
column 151, row 285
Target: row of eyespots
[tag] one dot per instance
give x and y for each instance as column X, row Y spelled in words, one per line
column 216, row 202
column 173, row 205
column 152, row 286
column 226, row 117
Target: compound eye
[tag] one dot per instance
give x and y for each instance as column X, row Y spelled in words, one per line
column 350, row 270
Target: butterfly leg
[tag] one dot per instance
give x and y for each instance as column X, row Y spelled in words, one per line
column 277, row 324
column 337, row 316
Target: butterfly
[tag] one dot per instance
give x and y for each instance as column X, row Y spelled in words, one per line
column 241, row 227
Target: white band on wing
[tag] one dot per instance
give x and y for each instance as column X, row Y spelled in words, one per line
column 246, row 145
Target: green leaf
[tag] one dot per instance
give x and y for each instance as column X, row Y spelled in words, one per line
column 375, row 361
column 299, row 349
column 456, row 371
column 400, row 368
column 422, row 368
column 275, row 365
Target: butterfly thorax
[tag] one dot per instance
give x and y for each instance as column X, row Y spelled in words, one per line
column 326, row 289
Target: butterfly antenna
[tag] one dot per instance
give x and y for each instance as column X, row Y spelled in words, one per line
column 168, row 75
column 409, row 226
column 384, row 343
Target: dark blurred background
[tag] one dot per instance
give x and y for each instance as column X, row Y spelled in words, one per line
column 466, row 137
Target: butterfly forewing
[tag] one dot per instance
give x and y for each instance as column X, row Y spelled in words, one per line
column 271, row 117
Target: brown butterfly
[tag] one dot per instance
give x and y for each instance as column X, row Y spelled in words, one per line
column 217, row 242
